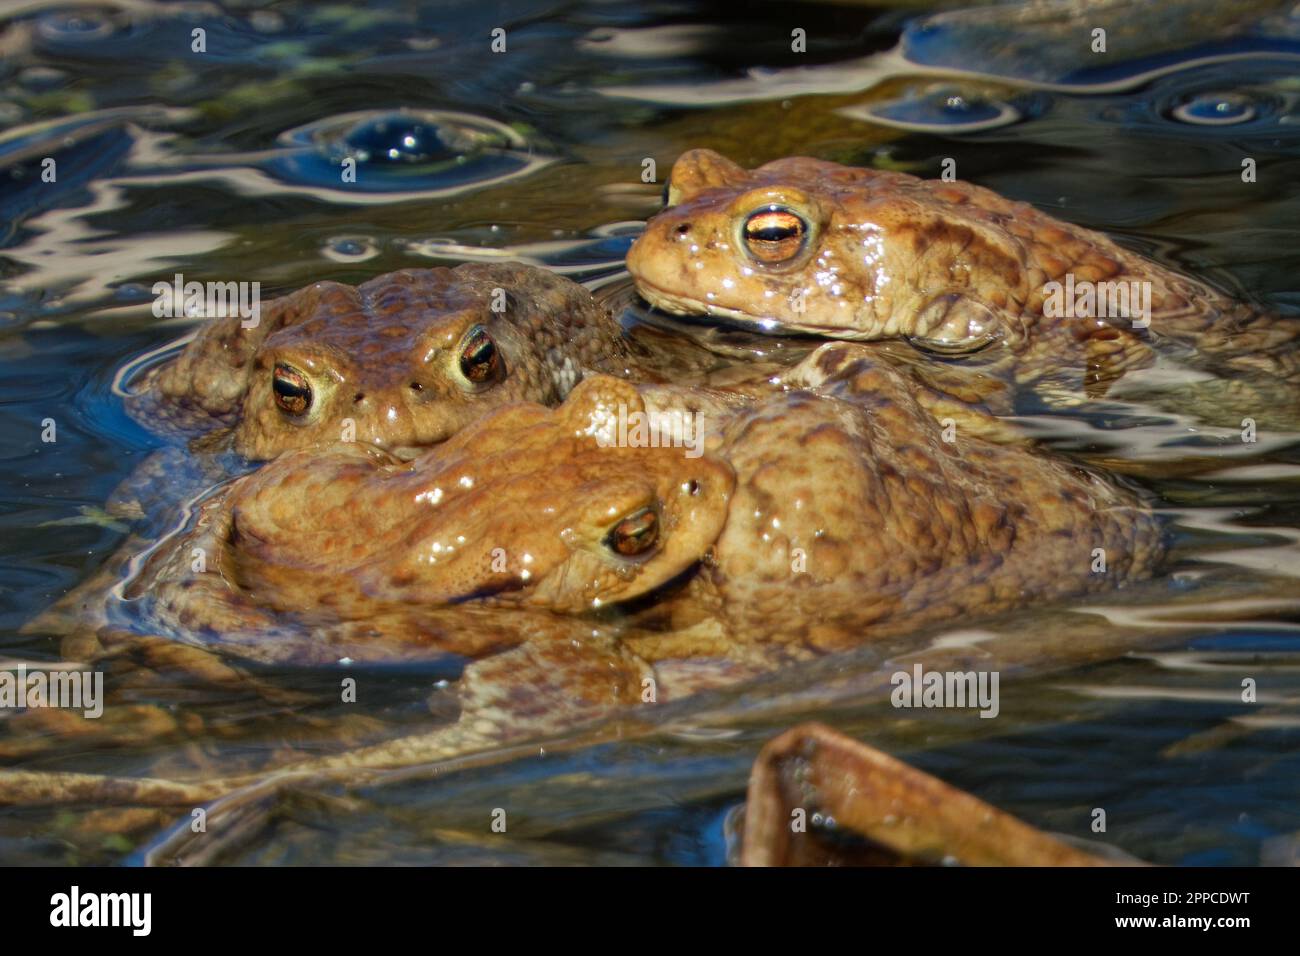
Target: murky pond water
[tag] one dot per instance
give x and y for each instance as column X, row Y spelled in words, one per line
column 222, row 164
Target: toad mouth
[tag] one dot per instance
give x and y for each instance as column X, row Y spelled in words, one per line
column 675, row 304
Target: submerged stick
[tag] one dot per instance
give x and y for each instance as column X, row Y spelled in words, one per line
column 916, row 817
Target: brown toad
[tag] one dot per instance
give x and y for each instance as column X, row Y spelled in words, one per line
column 579, row 570
column 814, row 518
column 402, row 361
column 811, row 246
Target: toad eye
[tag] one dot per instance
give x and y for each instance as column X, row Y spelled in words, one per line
column 774, row 234
column 292, row 390
column 480, row 360
column 635, row 534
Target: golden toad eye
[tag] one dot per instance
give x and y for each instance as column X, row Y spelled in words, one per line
column 774, row 234
column 480, row 361
column 634, row 535
column 292, row 390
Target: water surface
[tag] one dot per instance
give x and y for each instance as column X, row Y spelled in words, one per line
column 222, row 166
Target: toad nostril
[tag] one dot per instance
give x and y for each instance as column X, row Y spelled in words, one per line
column 359, row 397
column 683, row 229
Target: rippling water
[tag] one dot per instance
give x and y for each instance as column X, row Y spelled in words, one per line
column 223, row 165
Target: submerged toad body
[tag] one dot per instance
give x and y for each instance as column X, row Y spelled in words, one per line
column 805, row 245
column 402, row 361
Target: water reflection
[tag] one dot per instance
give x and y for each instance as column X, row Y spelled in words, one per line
column 229, row 167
